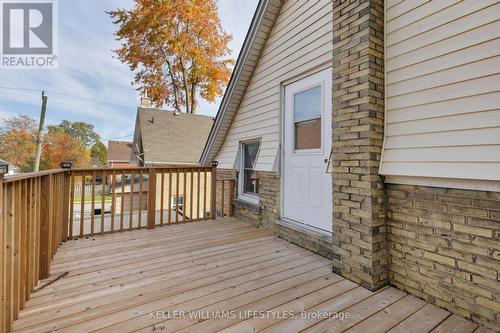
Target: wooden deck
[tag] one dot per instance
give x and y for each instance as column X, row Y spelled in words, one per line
column 211, row 276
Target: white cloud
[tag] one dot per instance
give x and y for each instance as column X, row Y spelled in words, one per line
column 88, row 70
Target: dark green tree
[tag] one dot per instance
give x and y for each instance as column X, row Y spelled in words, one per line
column 83, row 131
column 99, row 154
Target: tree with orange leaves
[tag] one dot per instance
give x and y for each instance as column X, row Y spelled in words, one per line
column 177, row 48
column 64, row 147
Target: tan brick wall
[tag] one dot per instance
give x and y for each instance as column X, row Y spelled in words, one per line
column 444, row 247
column 266, row 214
column 359, row 240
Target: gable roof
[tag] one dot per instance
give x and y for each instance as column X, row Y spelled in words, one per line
column 262, row 23
column 165, row 137
column 119, row 151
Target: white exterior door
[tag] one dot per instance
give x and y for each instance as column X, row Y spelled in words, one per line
column 307, row 141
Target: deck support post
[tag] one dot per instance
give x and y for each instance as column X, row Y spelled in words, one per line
column 213, row 193
column 46, row 198
column 151, row 199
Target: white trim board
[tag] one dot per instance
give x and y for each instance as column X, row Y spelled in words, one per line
column 464, row 184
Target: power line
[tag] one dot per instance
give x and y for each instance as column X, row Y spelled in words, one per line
column 17, row 88
column 68, row 96
column 119, row 137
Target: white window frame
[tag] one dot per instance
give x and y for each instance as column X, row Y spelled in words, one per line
column 248, row 197
column 173, row 202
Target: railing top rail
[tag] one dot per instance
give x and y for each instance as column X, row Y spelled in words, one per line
column 185, row 166
column 22, row 176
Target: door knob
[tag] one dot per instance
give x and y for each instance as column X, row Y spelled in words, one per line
column 326, row 160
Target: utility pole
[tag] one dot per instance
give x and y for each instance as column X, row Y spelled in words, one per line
column 38, row 151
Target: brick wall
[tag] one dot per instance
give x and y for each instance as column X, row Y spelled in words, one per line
column 444, row 248
column 359, row 240
column 266, row 214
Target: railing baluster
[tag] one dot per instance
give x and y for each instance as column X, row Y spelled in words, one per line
column 113, row 201
column 184, row 196
column 9, row 254
column 162, row 195
column 169, row 199
column 205, row 189
column 139, row 211
column 122, row 200
column 82, row 204
column 191, row 201
column 72, row 205
column 29, row 236
column 151, row 198
column 198, row 181
column 104, row 180
column 222, row 198
column 231, row 197
column 131, row 201
column 22, row 242
column 177, row 196
column 92, row 204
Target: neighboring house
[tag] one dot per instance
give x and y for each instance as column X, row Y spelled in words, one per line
column 120, row 154
column 12, row 169
column 167, row 138
column 396, row 180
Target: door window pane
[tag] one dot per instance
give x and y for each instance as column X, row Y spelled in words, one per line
column 307, row 119
column 308, row 134
column 250, row 181
column 307, row 104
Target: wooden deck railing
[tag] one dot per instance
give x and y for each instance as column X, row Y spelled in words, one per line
column 33, row 218
column 225, row 193
column 137, row 198
column 40, row 210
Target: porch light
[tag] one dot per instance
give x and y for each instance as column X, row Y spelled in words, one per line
column 4, row 169
column 66, row 164
column 215, row 164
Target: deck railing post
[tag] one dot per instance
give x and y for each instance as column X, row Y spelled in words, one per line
column 151, row 199
column 231, row 196
column 45, row 229
column 213, row 193
column 66, row 203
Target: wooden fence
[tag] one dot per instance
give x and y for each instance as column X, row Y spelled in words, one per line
column 40, row 210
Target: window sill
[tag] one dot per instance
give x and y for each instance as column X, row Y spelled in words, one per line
column 253, row 199
column 242, row 203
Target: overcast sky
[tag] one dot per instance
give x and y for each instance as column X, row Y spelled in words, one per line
column 90, row 85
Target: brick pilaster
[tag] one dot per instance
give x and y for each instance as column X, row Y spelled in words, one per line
column 359, row 230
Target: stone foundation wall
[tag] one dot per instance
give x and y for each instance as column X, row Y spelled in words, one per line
column 444, row 247
column 266, row 214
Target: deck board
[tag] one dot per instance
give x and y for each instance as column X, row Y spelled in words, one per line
column 224, row 267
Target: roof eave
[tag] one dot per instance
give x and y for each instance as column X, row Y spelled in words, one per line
column 260, row 12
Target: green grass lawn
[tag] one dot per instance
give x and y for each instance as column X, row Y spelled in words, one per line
column 88, row 198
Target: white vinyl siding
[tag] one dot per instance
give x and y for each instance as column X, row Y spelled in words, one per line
column 301, row 40
column 442, row 89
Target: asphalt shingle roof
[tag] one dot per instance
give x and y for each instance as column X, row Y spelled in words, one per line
column 119, row 150
column 172, row 138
